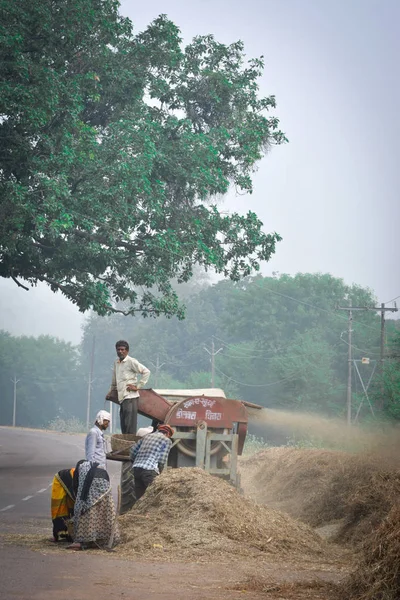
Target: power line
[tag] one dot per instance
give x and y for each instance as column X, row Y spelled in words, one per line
column 315, row 307
column 392, row 300
column 193, row 349
column 350, row 309
column 359, row 349
column 227, row 344
column 282, row 357
column 258, row 384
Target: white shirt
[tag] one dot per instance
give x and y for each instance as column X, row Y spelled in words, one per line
column 126, row 372
column 95, row 446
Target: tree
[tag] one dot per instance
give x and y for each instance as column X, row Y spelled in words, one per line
column 282, row 340
column 50, row 381
column 305, row 370
column 114, row 150
column 389, row 380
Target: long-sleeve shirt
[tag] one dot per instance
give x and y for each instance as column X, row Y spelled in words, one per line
column 95, row 446
column 125, row 372
column 151, row 451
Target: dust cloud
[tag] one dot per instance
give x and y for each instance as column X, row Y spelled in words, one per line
column 312, row 430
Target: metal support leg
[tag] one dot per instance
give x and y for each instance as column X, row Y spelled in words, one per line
column 234, row 455
column 201, row 438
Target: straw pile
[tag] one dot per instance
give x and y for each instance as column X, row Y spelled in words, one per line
column 299, row 590
column 378, row 574
column 322, row 486
column 189, row 513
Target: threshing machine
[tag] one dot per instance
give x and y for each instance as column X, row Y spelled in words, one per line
column 210, row 431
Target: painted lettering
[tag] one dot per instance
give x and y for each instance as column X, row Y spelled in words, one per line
column 213, row 416
column 186, row 414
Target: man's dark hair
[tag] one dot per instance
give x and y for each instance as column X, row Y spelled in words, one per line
column 122, row 343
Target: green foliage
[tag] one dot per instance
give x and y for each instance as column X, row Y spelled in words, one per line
column 254, row 444
column 281, row 339
column 114, row 148
column 72, row 425
column 50, row 380
column 305, row 367
column 389, row 381
column 282, row 347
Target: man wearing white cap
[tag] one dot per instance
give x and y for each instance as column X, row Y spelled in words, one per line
column 95, row 444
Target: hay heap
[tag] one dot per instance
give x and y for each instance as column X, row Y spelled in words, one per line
column 189, row 513
column 378, row 574
column 323, row 486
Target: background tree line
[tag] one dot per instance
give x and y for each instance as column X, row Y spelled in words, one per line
column 284, row 345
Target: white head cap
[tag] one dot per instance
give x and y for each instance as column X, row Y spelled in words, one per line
column 142, row 431
column 101, row 416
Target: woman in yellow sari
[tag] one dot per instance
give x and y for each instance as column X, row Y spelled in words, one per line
column 62, row 503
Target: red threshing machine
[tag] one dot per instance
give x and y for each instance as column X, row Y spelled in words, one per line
column 210, row 431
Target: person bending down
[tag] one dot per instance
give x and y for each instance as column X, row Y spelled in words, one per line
column 149, row 457
column 62, row 503
column 94, row 512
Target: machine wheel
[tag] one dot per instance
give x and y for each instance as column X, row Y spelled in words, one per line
column 128, row 498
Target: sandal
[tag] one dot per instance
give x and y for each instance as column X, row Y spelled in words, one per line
column 75, row 546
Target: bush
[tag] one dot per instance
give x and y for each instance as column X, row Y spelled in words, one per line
column 254, row 444
column 72, row 425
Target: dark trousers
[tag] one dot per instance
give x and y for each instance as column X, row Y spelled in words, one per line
column 128, row 413
column 143, row 478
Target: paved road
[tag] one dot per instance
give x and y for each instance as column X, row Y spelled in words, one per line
column 28, row 461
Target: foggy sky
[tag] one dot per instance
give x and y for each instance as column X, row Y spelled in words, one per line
column 332, row 192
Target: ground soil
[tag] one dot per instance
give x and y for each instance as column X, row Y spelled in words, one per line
column 45, row 569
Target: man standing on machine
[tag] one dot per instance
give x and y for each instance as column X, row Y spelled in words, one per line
column 128, row 377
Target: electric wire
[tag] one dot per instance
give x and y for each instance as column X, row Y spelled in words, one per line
column 317, row 307
column 392, row 300
column 258, row 384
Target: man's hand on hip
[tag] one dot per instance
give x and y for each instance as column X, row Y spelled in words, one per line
column 131, row 387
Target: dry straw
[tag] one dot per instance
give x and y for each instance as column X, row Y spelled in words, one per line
column 189, row 513
column 377, row 576
column 322, row 486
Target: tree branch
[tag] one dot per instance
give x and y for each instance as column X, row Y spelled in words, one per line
column 19, row 284
column 126, row 313
column 93, row 237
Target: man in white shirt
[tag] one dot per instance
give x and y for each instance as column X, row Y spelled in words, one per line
column 95, row 444
column 128, row 377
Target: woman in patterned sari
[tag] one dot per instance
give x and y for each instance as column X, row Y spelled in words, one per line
column 94, row 512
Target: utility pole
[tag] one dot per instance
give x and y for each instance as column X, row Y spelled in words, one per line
column 383, row 309
column 350, row 364
column 15, row 381
column 382, row 353
column 213, row 354
column 90, row 382
column 382, row 333
column 349, row 359
column 350, row 310
column 158, row 366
